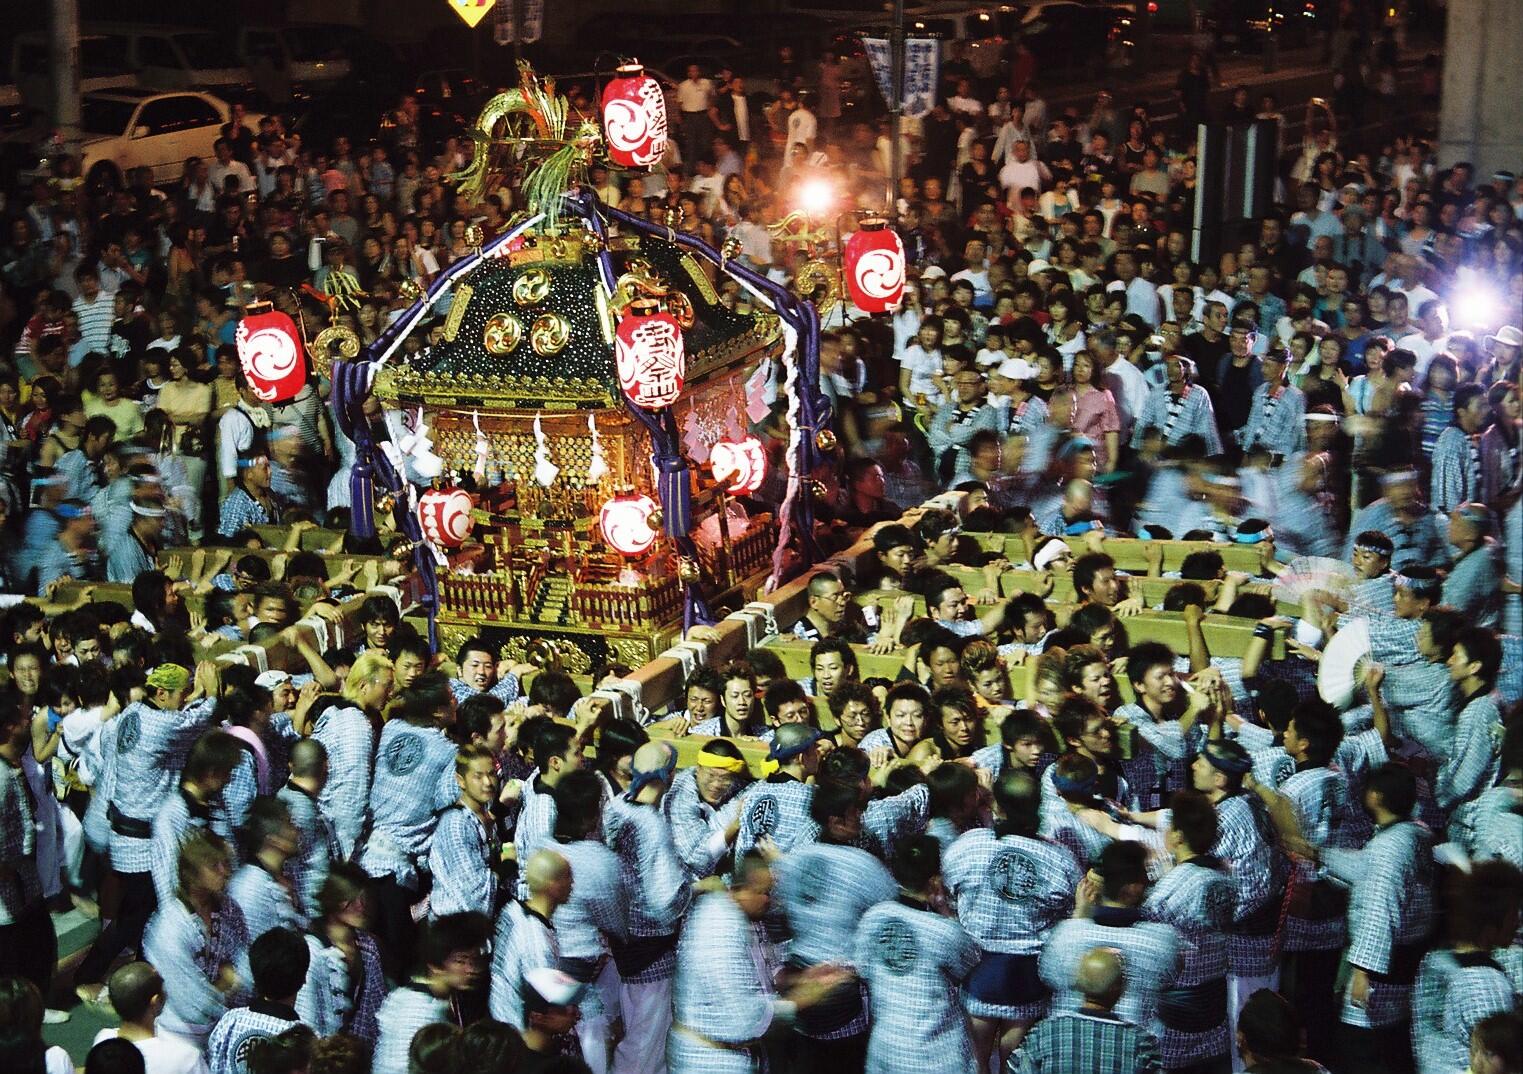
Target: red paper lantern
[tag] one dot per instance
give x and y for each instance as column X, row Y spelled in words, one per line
column 740, row 467
column 875, row 267
column 270, row 351
column 626, row 523
column 445, row 515
column 649, row 354
column 634, row 118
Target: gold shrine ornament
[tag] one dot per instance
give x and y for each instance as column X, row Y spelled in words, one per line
column 549, row 334
column 809, row 280
column 502, row 334
column 457, row 307
column 532, row 287
column 342, row 336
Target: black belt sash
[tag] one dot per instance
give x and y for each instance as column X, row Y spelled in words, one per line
column 127, row 826
column 639, row 953
column 1194, row 1009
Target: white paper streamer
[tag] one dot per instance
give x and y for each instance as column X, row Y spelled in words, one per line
column 597, row 469
column 483, row 449
column 544, row 469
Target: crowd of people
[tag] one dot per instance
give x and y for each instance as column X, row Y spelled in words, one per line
column 1031, row 843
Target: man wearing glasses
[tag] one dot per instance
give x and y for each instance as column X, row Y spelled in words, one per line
column 959, row 419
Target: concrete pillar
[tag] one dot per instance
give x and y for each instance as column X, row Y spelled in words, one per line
column 63, row 58
column 1481, row 112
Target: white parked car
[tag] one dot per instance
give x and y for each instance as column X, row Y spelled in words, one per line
column 142, row 128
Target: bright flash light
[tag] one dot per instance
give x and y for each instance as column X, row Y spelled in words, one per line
column 816, row 196
column 1476, row 305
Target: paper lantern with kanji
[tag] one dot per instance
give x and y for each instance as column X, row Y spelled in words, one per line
column 270, row 351
column 445, row 515
column 875, row 267
column 739, row 467
column 649, row 354
column 634, row 118
column 626, row 523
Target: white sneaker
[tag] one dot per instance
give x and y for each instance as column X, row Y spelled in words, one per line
column 51, row 1017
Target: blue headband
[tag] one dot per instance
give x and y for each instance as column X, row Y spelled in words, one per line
column 639, row 779
column 1065, row 786
column 1226, row 761
column 1249, row 538
column 783, row 754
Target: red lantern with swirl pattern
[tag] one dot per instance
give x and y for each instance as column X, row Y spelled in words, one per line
column 270, row 351
column 875, row 267
column 634, row 118
column 627, row 524
column 445, row 515
column 649, row 355
column 741, row 467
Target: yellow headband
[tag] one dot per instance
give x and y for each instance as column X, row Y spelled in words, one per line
column 721, row 762
column 169, row 677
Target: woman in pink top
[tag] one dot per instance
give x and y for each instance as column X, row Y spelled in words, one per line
column 1094, row 413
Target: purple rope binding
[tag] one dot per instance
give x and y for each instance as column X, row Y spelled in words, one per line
column 814, row 408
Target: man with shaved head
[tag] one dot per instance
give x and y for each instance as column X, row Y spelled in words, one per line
column 526, row 937
column 137, row 997
column 1093, row 1039
column 316, row 839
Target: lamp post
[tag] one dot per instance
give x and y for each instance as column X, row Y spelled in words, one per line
column 896, row 103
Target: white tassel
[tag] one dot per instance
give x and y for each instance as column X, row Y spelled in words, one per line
column 597, row 469
column 425, row 463
column 544, row 470
column 483, row 450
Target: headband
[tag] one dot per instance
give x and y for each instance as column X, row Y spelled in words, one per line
column 1066, row 785
column 721, row 762
column 71, row 511
column 1228, row 761
column 147, row 511
column 1249, row 538
column 244, row 464
column 1369, row 546
column 1398, row 478
column 782, row 754
column 1423, row 587
column 1323, row 417
column 663, row 774
column 169, row 677
column 1052, row 550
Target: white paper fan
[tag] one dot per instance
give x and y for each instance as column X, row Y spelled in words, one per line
column 1339, row 674
column 1306, row 573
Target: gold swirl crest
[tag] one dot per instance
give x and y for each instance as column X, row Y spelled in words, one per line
column 502, row 334
column 549, row 334
column 532, row 287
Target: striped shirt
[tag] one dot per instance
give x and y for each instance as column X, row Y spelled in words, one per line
column 345, row 733
column 151, row 747
column 265, row 901
column 462, row 860
column 913, row 962
column 1088, row 1041
column 1390, row 910
column 1453, row 993
column 1009, row 891
column 1150, row 952
column 189, row 957
column 1456, row 474
column 414, row 782
column 524, row 941
column 95, row 320
column 228, row 1046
